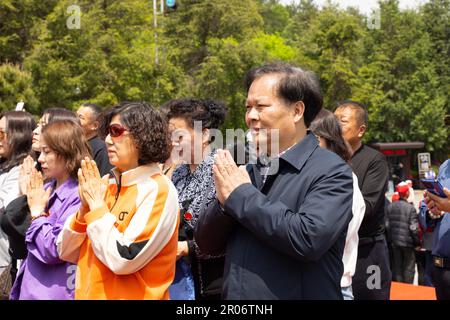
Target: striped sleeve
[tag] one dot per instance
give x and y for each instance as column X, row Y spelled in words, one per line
column 70, row 239
column 149, row 230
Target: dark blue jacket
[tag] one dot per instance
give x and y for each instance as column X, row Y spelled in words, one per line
column 284, row 239
column 441, row 234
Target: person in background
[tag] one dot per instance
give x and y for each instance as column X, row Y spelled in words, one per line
column 49, row 115
column 16, row 219
column 15, row 144
column 434, row 214
column 195, row 185
column 43, row 275
column 403, row 229
column 89, row 114
column 371, row 168
column 124, row 237
column 412, row 197
column 327, row 129
column 395, row 197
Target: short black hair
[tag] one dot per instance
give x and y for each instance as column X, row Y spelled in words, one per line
column 95, row 108
column 147, row 126
column 362, row 113
column 210, row 112
column 295, row 85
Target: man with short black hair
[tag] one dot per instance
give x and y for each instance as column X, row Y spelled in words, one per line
column 88, row 114
column 372, row 279
column 281, row 222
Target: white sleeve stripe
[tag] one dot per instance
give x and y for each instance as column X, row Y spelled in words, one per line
column 104, row 236
column 146, row 197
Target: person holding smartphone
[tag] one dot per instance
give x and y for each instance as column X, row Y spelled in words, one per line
column 434, row 214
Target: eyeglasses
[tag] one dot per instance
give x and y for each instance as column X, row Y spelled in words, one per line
column 116, row 130
column 2, row 134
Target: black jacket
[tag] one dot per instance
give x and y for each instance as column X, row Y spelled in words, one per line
column 284, row 239
column 403, row 224
column 15, row 220
column 100, row 155
column 371, row 168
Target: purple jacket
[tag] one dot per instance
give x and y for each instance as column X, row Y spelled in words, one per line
column 42, row 275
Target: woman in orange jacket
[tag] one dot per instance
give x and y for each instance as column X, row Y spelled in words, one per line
column 124, row 238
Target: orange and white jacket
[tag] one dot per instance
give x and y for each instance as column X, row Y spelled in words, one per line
column 128, row 251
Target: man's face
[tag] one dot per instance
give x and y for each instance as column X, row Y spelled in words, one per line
column 267, row 113
column 87, row 120
column 352, row 129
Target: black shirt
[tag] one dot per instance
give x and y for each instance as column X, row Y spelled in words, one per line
column 371, row 168
column 100, row 155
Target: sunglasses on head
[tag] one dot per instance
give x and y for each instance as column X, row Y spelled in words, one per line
column 116, row 130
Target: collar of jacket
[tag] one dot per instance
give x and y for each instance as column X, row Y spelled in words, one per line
column 300, row 153
column 64, row 190
column 296, row 156
column 133, row 176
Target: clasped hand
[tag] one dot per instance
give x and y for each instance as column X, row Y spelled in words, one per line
column 227, row 175
column 91, row 187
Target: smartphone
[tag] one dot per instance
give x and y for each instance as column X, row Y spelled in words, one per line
column 434, row 187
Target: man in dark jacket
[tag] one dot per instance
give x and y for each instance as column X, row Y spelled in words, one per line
column 282, row 224
column 372, row 279
column 88, row 114
column 403, row 229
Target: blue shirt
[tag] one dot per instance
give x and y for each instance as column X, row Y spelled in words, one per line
column 441, row 234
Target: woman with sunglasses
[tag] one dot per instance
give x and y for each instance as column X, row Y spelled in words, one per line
column 15, row 144
column 43, row 275
column 327, row 129
column 124, row 237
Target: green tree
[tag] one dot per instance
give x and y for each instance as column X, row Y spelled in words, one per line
column 275, row 16
column 17, row 19
column 16, row 85
column 222, row 73
column 334, row 42
column 400, row 83
column 109, row 59
column 189, row 29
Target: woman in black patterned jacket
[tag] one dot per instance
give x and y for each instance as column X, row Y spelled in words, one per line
column 191, row 123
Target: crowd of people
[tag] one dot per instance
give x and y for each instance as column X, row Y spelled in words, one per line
column 136, row 202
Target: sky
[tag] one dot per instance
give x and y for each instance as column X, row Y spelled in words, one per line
column 365, row 6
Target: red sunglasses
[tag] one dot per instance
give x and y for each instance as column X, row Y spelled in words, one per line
column 116, row 130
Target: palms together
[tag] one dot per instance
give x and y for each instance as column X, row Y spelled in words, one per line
column 91, row 187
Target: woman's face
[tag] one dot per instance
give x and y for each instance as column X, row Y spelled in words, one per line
column 53, row 167
column 4, row 145
column 122, row 151
column 186, row 142
column 37, row 133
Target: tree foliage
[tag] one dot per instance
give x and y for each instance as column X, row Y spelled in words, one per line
column 204, row 48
